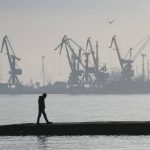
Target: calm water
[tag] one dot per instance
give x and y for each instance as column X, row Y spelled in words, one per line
column 64, row 108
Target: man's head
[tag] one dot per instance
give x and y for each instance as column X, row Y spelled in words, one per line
column 44, row 95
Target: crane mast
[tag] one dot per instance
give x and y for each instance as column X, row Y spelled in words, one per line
column 14, row 72
column 97, row 57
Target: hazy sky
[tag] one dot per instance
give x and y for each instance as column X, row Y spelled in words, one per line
column 35, row 28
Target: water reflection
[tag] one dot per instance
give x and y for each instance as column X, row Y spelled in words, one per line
column 42, row 142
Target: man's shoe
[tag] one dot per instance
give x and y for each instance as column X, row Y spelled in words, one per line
column 49, row 122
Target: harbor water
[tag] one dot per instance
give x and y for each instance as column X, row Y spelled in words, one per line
column 74, row 108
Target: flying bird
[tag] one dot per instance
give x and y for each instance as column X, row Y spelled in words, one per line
column 110, row 22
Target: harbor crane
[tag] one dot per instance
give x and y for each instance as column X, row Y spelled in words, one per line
column 126, row 64
column 100, row 73
column 127, row 72
column 74, row 59
column 83, row 74
column 12, row 58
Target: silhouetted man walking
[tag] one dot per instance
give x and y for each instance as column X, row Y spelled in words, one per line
column 42, row 108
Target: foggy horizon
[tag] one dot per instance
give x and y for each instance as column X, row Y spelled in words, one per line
column 36, row 28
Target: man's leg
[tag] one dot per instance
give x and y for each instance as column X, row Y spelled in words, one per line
column 38, row 118
column 45, row 117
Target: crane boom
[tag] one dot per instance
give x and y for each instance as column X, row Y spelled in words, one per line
column 92, row 52
column 5, row 39
column 117, row 49
column 141, row 48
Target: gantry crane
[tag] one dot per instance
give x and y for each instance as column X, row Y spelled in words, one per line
column 127, row 72
column 100, row 73
column 14, row 71
column 82, row 74
column 74, row 59
column 80, row 71
column 126, row 64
